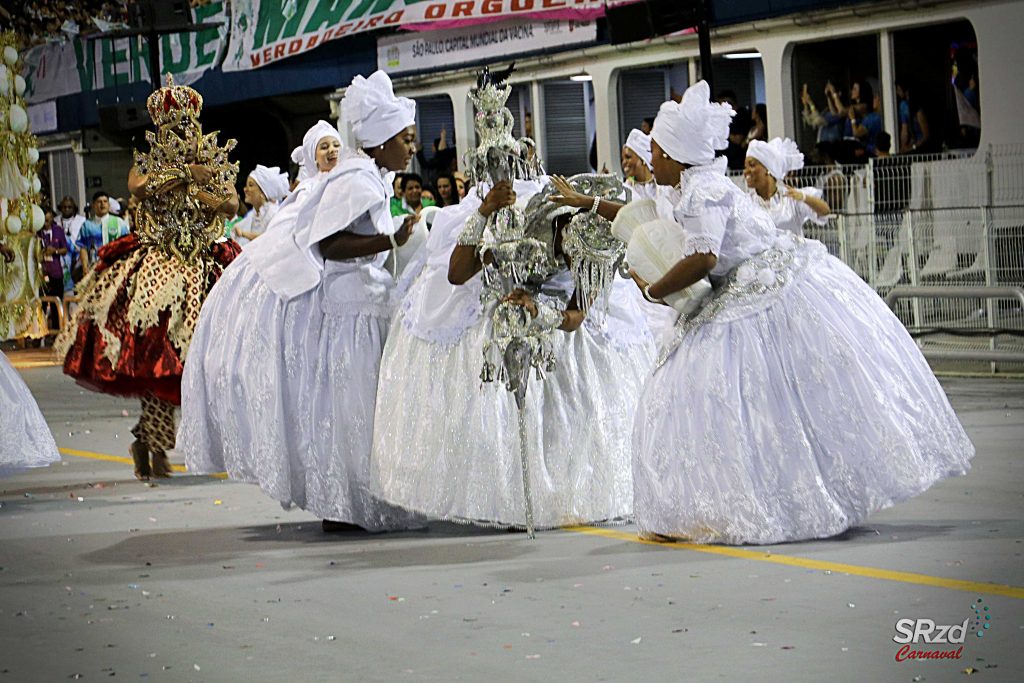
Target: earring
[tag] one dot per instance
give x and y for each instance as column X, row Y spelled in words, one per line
column 664, row 156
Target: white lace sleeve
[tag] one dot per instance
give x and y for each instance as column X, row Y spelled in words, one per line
column 704, row 233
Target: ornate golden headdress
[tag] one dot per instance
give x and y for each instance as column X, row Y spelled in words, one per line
column 170, row 104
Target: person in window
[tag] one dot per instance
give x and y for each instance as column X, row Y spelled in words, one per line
column 915, row 133
column 828, row 124
column 759, row 121
column 646, row 125
column 864, row 121
column 102, row 229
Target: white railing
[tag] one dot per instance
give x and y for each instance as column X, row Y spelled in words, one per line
column 948, row 220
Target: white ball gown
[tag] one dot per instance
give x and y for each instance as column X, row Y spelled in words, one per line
column 25, row 439
column 447, row 445
column 794, row 404
column 281, row 379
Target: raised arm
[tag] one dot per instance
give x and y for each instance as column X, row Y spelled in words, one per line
column 465, row 262
column 570, row 197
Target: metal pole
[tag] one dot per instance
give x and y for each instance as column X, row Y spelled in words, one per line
column 525, row 463
column 704, row 42
column 153, row 41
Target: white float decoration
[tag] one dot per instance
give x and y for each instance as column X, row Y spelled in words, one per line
column 33, row 155
column 18, row 118
column 13, row 223
column 19, row 85
column 10, row 55
column 38, row 217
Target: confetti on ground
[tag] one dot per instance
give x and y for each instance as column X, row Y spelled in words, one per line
column 218, row 502
column 636, row 641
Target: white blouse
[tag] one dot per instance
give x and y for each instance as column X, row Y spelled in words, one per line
column 718, row 217
column 790, row 214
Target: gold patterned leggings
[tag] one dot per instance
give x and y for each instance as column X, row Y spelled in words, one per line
column 155, row 427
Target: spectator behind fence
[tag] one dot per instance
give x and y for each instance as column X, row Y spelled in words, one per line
column 447, row 194
column 646, row 125
column 102, row 229
column 42, row 21
column 54, row 246
column 71, row 223
column 883, row 145
column 412, row 196
column 444, row 159
column 461, row 185
column 396, row 198
column 863, row 124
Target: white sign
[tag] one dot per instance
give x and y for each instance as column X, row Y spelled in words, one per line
column 426, row 50
column 266, row 31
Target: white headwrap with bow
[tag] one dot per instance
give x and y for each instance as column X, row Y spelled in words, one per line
column 691, row 130
column 305, row 155
column 640, row 143
column 372, row 112
column 778, row 155
column 270, row 179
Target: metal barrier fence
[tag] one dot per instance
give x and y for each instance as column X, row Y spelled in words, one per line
column 935, row 221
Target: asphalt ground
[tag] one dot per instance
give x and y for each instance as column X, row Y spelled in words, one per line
column 203, row 579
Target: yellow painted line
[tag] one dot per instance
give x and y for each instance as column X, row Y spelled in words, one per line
column 127, row 461
column 29, row 364
column 823, row 565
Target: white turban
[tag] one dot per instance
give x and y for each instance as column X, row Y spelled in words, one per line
column 273, row 183
column 640, row 143
column 778, row 155
column 690, row 131
column 305, row 156
column 373, row 112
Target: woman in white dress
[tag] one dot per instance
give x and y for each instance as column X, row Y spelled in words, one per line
column 265, row 188
column 636, row 165
column 447, row 445
column 764, row 169
column 794, row 403
column 25, row 439
column 281, row 380
column 315, row 157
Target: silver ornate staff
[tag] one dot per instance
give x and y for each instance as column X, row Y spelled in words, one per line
column 518, row 343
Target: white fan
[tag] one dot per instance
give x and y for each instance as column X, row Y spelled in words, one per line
column 653, row 246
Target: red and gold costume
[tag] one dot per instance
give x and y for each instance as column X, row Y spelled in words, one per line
column 140, row 303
